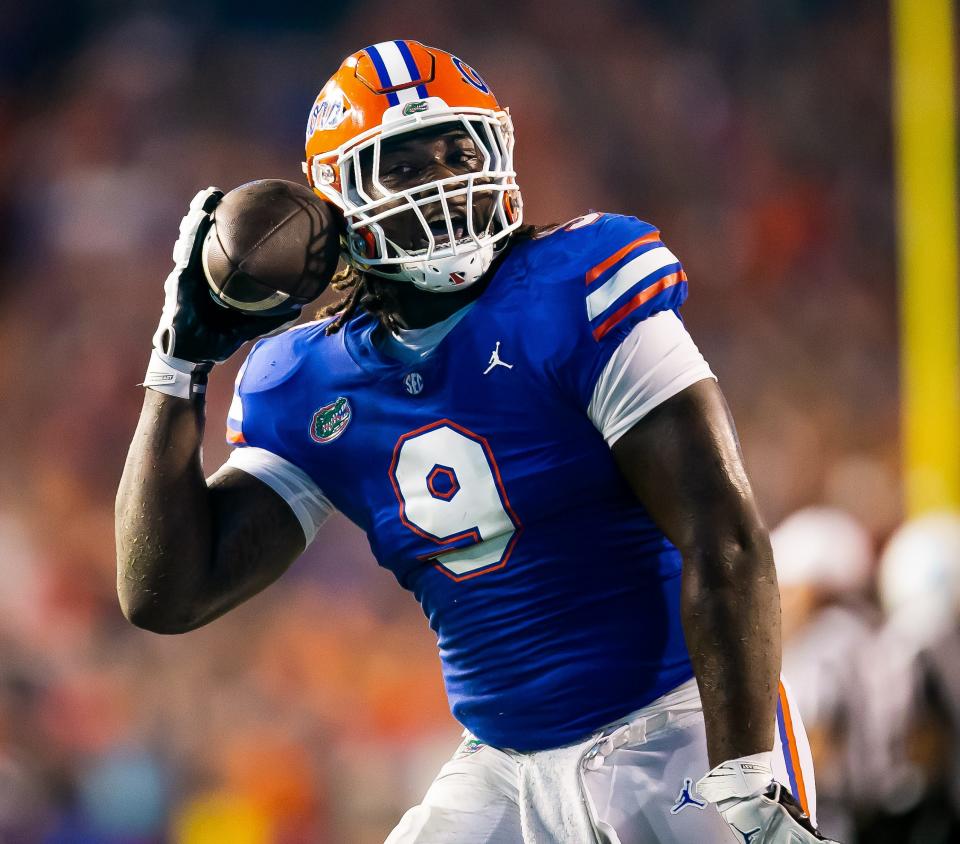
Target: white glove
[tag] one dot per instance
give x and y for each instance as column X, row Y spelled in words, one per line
column 168, row 373
column 195, row 332
column 758, row 809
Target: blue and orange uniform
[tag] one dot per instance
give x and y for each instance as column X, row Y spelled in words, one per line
column 488, row 491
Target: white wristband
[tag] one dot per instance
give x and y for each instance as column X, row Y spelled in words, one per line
column 737, row 778
column 175, row 377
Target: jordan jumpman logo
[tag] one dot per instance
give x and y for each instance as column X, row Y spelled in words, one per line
column 686, row 798
column 748, row 836
column 495, row 360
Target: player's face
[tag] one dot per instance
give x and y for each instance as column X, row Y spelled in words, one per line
column 415, row 159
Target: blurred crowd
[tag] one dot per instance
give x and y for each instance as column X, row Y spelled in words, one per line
column 755, row 134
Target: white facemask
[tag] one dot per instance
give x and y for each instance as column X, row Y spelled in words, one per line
column 461, row 257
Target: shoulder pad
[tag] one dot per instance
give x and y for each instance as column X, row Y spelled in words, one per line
column 630, row 274
column 273, row 360
column 615, row 266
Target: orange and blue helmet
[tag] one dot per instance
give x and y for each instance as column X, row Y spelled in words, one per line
column 387, row 90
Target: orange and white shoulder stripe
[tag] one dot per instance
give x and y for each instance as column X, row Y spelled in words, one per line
column 628, row 278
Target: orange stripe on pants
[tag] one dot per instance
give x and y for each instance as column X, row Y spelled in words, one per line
column 792, row 749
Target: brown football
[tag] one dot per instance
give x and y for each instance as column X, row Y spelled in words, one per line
column 273, row 247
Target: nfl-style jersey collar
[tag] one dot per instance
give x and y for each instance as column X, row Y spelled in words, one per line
column 412, row 345
column 366, row 348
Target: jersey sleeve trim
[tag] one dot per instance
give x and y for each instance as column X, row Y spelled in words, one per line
column 609, row 323
column 636, row 282
column 603, row 266
column 655, row 361
column 308, row 503
column 235, row 413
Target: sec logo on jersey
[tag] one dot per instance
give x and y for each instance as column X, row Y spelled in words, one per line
column 413, row 383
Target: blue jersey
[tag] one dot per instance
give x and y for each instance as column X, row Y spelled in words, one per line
column 484, row 487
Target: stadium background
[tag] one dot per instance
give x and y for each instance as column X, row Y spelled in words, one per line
column 755, row 134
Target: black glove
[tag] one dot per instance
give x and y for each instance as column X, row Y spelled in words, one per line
column 195, row 330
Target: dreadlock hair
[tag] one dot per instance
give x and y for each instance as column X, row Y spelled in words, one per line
column 363, row 291
column 378, row 296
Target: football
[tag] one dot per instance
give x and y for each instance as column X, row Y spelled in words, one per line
column 273, row 247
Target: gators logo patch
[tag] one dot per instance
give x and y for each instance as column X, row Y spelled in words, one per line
column 330, row 421
column 415, row 108
column 468, row 747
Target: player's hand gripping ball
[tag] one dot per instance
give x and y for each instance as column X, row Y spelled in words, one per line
column 272, row 247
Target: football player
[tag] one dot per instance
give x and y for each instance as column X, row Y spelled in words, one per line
column 536, row 449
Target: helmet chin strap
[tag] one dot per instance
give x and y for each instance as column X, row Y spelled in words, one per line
column 447, row 275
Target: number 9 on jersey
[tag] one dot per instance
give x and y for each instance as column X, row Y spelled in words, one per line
column 451, row 493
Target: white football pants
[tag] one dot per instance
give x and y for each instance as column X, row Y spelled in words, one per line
column 630, row 783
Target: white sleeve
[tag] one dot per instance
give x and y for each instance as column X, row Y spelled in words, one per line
column 655, row 361
column 311, row 507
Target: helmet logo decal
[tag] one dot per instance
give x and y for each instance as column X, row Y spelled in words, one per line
column 312, row 120
column 415, row 107
column 327, row 114
column 470, row 75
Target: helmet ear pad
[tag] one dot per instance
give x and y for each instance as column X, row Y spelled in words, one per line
column 509, row 209
column 367, row 241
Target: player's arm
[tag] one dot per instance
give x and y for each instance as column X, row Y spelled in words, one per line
column 189, row 549
column 655, row 401
column 683, row 462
